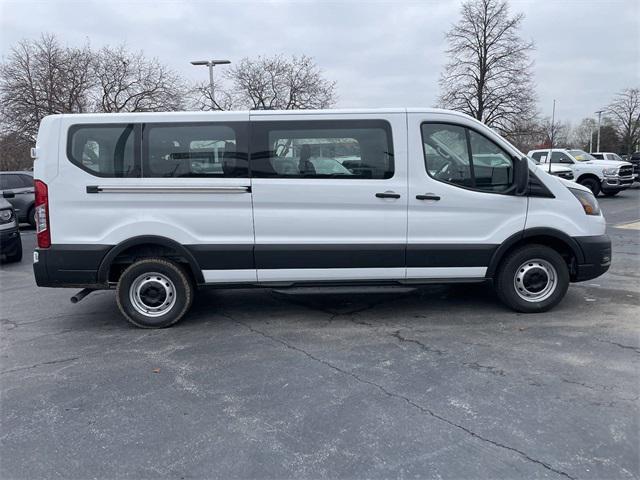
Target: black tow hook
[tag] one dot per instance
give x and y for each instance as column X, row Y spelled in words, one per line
column 81, row 294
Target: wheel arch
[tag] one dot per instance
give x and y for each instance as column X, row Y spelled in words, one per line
column 149, row 245
column 556, row 239
column 584, row 176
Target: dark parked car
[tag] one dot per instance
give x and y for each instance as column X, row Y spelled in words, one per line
column 634, row 159
column 10, row 241
column 21, row 185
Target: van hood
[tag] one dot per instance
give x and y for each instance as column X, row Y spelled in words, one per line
column 574, row 185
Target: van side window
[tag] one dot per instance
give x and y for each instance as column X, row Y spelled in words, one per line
column 492, row 166
column 322, row 149
column 193, row 150
column 446, row 154
column 463, row 157
column 104, row 150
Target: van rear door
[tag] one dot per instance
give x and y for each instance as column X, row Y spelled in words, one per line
column 329, row 196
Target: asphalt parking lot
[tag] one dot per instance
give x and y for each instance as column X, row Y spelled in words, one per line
column 438, row 382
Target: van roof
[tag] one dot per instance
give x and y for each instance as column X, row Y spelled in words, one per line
column 256, row 113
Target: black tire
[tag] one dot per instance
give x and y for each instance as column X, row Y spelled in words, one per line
column 151, row 275
column 531, row 260
column 16, row 257
column 610, row 193
column 592, row 184
column 31, row 217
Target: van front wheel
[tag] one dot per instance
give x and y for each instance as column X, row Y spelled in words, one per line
column 154, row 293
column 533, row 278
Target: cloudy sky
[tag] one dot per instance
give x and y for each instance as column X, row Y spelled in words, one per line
column 381, row 53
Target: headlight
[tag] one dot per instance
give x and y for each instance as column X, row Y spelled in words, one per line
column 6, row 215
column 610, row 171
column 587, row 200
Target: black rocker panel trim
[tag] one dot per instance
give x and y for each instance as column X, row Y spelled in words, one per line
column 223, row 257
column 452, row 255
column 67, row 265
column 329, row 256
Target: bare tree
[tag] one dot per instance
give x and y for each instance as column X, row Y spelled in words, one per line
column 39, row 78
column 15, row 151
column 488, row 75
column 583, row 135
column 625, row 113
column 130, row 82
column 555, row 133
column 279, row 83
column 526, row 134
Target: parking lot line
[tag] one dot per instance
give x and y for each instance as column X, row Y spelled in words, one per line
column 629, row 225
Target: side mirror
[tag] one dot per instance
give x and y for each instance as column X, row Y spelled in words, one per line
column 521, row 176
column 8, row 194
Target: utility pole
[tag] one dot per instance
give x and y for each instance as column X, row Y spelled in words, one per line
column 591, row 139
column 599, row 112
column 211, row 64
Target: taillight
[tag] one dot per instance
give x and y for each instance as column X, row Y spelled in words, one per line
column 43, row 231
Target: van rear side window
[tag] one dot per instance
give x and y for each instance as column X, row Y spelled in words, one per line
column 105, row 150
column 194, row 150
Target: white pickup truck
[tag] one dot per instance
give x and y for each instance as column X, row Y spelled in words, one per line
column 607, row 176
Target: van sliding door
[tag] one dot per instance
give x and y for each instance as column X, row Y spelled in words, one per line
column 329, row 197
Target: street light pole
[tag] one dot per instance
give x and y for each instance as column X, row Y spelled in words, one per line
column 211, row 64
column 599, row 112
column 213, row 97
column 553, row 127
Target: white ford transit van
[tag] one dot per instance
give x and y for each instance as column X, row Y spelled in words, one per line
column 157, row 205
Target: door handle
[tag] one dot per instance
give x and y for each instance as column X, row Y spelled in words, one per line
column 387, row 195
column 428, row 196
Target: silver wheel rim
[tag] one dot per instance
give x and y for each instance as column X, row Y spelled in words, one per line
column 152, row 294
column 535, row 280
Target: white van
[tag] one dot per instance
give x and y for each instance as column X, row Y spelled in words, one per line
column 157, row 205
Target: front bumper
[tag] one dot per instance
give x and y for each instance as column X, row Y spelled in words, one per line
column 10, row 241
column 596, row 251
column 617, row 183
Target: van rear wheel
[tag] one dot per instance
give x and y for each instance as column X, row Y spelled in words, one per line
column 533, row 278
column 154, row 293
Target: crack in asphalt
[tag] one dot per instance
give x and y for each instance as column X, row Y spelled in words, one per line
column 55, row 317
column 473, row 365
column 424, row 347
column 410, row 402
column 362, row 322
column 629, row 347
column 485, row 368
column 50, row 362
column 586, row 385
